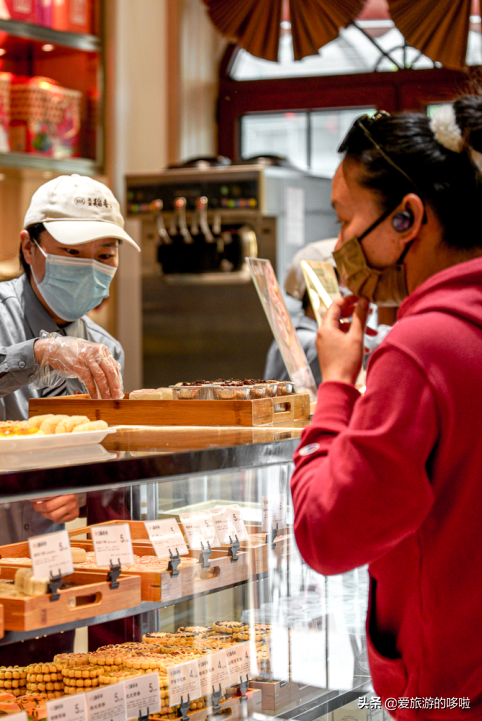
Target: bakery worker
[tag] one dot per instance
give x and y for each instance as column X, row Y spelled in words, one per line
column 69, row 252
column 305, row 325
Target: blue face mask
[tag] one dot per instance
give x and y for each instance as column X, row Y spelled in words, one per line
column 73, row 286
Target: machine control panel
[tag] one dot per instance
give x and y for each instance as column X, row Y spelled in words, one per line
column 222, row 194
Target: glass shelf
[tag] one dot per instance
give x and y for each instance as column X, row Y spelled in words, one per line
column 82, row 166
column 88, row 43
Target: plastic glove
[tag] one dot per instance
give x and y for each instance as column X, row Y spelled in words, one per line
column 62, row 357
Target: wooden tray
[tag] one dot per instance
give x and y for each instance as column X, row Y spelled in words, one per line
column 191, row 580
column 276, row 694
column 262, row 412
column 259, row 555
column 91, row 597
column 231, row 709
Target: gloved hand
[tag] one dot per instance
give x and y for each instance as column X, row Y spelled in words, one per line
column 64, row 357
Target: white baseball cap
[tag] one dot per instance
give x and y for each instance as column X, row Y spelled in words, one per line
column 76, row 209
column 321, row 250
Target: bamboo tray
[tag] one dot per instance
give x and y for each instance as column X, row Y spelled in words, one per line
column 259, row 555
column 256, row 560
column 231, row 709
column 276, row 694
column 192, row 580
column 91, row 597
column 262, row 412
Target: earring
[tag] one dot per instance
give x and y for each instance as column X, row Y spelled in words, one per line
column 403, row 221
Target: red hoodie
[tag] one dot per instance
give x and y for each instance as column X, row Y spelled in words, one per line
column 394, row 479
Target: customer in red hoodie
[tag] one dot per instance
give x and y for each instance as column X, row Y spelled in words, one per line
column 393, row 478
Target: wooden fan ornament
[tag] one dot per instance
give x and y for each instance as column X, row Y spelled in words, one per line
column 255, row 24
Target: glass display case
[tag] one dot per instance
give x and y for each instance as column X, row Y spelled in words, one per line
column 303, row 633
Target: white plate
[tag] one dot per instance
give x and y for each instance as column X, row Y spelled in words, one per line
column 54, row 458
column 22, row 444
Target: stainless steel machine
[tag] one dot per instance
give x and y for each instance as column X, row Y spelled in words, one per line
column 201, row 317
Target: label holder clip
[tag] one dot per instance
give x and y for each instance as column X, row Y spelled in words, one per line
column 54, row 585
column 174, row 562
column 114, row 573
column 205, row 555
column 234, row 548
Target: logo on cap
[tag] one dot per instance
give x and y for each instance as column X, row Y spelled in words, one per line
column 308, row 450
column 79, row 201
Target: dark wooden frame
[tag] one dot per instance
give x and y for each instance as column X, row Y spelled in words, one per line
column 391, row 91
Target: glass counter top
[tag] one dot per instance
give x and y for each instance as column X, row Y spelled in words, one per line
column 138, row 453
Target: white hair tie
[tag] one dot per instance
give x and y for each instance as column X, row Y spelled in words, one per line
column 444, row 126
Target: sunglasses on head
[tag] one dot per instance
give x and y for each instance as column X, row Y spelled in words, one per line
column 363, row 125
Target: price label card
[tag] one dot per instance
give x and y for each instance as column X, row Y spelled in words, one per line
column 229, row 523
column 107, row 704
column 22, row 716
column 166, row 537
column 183, row 681
column 200, row 530
column 51, row 555
column 112, row 543
column 240, row 663
column 68, row 708
column 274, row 512
column 214, row 672
column 143, row 693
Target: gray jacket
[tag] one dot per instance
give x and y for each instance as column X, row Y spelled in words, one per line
column 306, row 330
column 22, row 317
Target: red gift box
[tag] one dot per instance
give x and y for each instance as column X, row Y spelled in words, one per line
column 44, row 118
column 43, row 13
column 72, row 15
column 21, row 10
column 5, row 81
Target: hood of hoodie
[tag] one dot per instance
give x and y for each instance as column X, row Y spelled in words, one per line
column 456, row 290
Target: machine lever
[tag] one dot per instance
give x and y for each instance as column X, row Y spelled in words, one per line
column 202, row 206
column 180, row 205
column 164, row 237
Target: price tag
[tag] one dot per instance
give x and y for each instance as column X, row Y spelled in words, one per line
column 240, row 663
column 107, row 704
column 142, row 693
column 274, row 512
column 51, row 555
column 214, row 671
column 68, row 708
column 112, row 543
column 166, row 537
column 229, row 523
column 183, row 681
column 22, row 716
column 200, row 530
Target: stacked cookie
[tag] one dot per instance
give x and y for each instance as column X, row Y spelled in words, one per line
column 13, row 679
column 45, row 678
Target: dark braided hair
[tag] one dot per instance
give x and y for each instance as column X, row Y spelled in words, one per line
column 448, row 182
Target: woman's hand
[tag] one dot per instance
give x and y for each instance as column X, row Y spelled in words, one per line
column 340, row 351
column 59, row 509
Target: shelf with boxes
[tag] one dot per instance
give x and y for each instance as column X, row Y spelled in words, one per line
column 51, row 87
